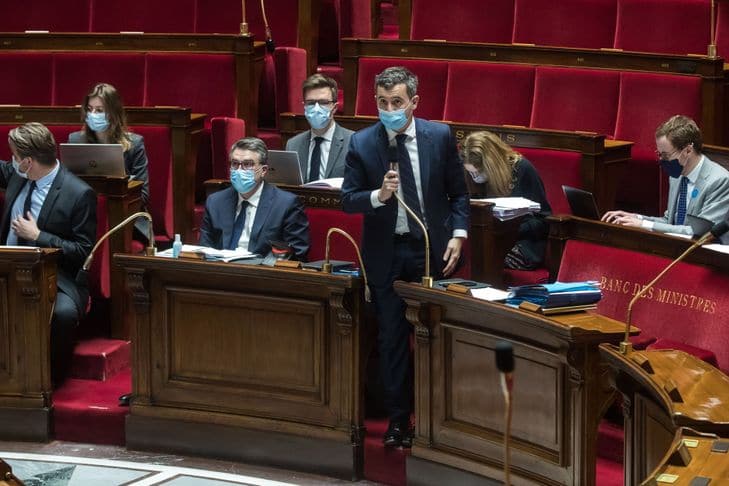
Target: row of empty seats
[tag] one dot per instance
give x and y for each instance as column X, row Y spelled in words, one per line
column 662, row 26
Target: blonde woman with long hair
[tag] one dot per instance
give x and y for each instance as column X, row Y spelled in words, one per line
column 498, row 171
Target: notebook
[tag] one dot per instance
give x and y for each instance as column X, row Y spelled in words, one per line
column 101, row 159
column 284, row 168
column 582, row 203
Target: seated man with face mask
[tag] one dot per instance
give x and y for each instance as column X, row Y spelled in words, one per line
column 698, row 186
column 251, row 213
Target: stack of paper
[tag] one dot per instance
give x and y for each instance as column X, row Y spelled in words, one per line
column 333, row 183
column 212, row 253
column 512, row 207
column 558, row 294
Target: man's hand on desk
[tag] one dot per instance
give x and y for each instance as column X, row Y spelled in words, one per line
column 26, row 228
column 451, row 255
column 623, row 218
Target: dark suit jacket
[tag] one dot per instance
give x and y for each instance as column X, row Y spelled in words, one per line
column 135, row 165
column 337, row 152
column 444, row 192
column 279, row 217
column 67, row 221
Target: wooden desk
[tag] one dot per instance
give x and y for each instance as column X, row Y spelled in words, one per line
column 245, row 362
column 27, row 294
column 601, row 158
column 560, row 391
column 680, row 391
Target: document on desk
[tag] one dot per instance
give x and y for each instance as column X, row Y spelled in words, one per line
column 489, row 293
column 506, row 208
column 212, row 253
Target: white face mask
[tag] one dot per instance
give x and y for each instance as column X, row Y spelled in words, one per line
column 16, row 166
column 477, row 177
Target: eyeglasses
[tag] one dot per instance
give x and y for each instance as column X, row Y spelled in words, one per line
column 319, row 102
column 245, row 164
column 665, row 156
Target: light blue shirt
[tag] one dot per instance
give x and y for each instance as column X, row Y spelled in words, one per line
column 42, row 187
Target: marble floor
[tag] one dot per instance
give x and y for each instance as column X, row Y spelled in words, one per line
column 72, row 464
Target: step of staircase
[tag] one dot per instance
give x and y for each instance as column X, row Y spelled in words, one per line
column 608, row 473
column 610, row 441
column 100, row 359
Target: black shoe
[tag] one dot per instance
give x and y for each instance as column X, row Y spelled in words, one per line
column 407, row 437
column 125, row 399
column 393, row 435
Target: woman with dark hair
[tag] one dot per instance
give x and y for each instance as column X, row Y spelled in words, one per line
column 104, row 121
column 496, row 170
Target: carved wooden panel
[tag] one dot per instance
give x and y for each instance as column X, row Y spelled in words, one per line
column 5, row 343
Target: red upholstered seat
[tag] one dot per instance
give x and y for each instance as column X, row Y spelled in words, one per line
column 722, row 29
column 555, row 167
column 76, row 73
column 51, row 15
column 489, row 93
column 19, row 88
column 465, row 20
column 224, row 131
column 290, row 66
column 432, row 77
column 575, row 99
column 646, row 101
column 144, row 16
column 667, row 26
column 565, row 23
column 320, row 220
column 701, row 353
column 159, row 152
column 513, row 278
column 688, row 305
column 224, row 17
column 203, row 82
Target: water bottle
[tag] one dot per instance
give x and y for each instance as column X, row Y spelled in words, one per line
column 176, row 246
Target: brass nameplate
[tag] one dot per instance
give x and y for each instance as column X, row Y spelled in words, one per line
column 287, row 264
column 667, row 478
column 192, row 255
column 458, row 288
column 671, row 389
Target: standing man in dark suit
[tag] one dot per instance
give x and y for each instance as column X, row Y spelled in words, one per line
column 322, row 150
column 47, row 206
column 430, row 180
column 251, row 213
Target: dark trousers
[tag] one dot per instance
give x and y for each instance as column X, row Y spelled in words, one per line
column 393, row 337
column 63, row 327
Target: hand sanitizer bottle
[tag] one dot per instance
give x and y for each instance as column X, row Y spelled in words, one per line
column 176, row 246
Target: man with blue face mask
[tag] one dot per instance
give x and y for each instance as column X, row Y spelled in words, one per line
column 322, row 149
column 697, row 185
column 429, row 178
column 250, row 214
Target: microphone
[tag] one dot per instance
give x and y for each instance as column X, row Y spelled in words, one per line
column 82, row 277
column 505, row 364
column 243, row 24
column 327, row 266
column 427, row 279
column 270, row 46
column 716, row 231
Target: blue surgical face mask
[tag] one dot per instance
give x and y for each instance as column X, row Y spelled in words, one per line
column 394, row 120
column 317, row 116
column 16, row 166
column 243, row 180
column 672, row 168
column 97, row 121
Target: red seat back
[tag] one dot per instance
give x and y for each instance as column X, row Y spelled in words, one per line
column 688, row 305
column 565, row 23
column 51, row 15
column 77, row 72
column 488, row 93
column 722, row 29
column 432, row 76
column 465, row 20
column 20, row 88
column 320, row 220
column 555, row 167
column 666, row 26
column 144, row 16
column 224, row 132
column 575, row 99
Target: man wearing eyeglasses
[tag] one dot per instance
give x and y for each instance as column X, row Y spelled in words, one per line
column 251, row 214
column 697, row 185
column 323, row 149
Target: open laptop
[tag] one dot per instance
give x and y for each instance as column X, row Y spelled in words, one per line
column 101, row 159
column 284, row 168
column 582, row 203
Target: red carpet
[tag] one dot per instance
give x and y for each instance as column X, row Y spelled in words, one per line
column 383, row 465
column 608, row 473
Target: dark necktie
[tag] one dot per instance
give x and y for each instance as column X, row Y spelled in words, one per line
column 407, row 185
column 238, row 226
column 315, row 163
column 681, row 210
column 26, row 208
